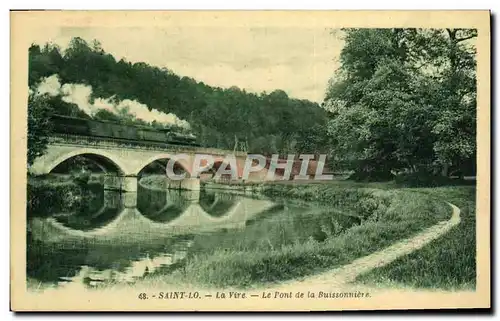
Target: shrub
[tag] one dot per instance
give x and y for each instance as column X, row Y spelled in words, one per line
column 372, row 176
column 45, row 199
column 423, row 179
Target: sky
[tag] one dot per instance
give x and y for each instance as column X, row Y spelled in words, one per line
column 299, row 61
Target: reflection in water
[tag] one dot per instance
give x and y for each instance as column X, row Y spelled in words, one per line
column 218, row 204
column 125, row 237
column 98, row 209
column 139, row 268
column 166, row 205
column 162, row 206
column 92, row 263
column 128, row 242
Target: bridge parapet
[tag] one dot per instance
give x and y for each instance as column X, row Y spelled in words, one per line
column 85, row 141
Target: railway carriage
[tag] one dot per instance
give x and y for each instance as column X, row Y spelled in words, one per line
column 105, row 129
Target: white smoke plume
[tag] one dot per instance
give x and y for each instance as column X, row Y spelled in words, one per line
column 49, row 85
column 80, row 94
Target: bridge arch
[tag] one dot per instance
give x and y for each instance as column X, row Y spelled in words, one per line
column 106, row 160
column 183, row 163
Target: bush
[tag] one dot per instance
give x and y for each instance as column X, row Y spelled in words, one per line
column 423, row 179
column 364, row 202
column 44, row 199
column 372, row 176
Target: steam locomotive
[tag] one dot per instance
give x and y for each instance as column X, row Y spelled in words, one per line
column 105, row 129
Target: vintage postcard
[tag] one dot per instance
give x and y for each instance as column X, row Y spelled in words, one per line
column 250, row 161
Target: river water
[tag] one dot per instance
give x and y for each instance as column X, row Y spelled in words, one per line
column 126, row 237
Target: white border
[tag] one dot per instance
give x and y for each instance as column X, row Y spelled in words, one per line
column 192, row 4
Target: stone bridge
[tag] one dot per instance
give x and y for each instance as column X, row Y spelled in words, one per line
column 127, row 159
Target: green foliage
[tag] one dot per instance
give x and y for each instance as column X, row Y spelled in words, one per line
column 426, row 179
column 222, row 118
column 374, row 175
column 359, row 202
column 403, row 99
column 47, row 196
column 448, row 262
column 47, row 199
column 39, row 126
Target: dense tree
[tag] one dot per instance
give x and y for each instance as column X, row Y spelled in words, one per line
column 39, row 126
column 403, row 99
column 455, row 127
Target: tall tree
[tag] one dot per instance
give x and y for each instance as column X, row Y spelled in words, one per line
column 403, row 99
column 39, row 126
column 456, row 125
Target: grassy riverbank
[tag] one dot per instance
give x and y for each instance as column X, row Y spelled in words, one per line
column 446, row 263
column 387, row 216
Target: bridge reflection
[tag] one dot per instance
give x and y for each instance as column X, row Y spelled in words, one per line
column 149, row 214
column 132, row 241
column 163, row 205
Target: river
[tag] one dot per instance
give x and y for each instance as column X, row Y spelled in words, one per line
column 122, row 238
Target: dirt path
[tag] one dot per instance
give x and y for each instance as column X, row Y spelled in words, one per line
column 342, row 276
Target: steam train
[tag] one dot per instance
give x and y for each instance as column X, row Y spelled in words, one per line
column 105, row 129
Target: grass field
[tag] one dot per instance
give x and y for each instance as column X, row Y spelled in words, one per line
column 448, row 262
